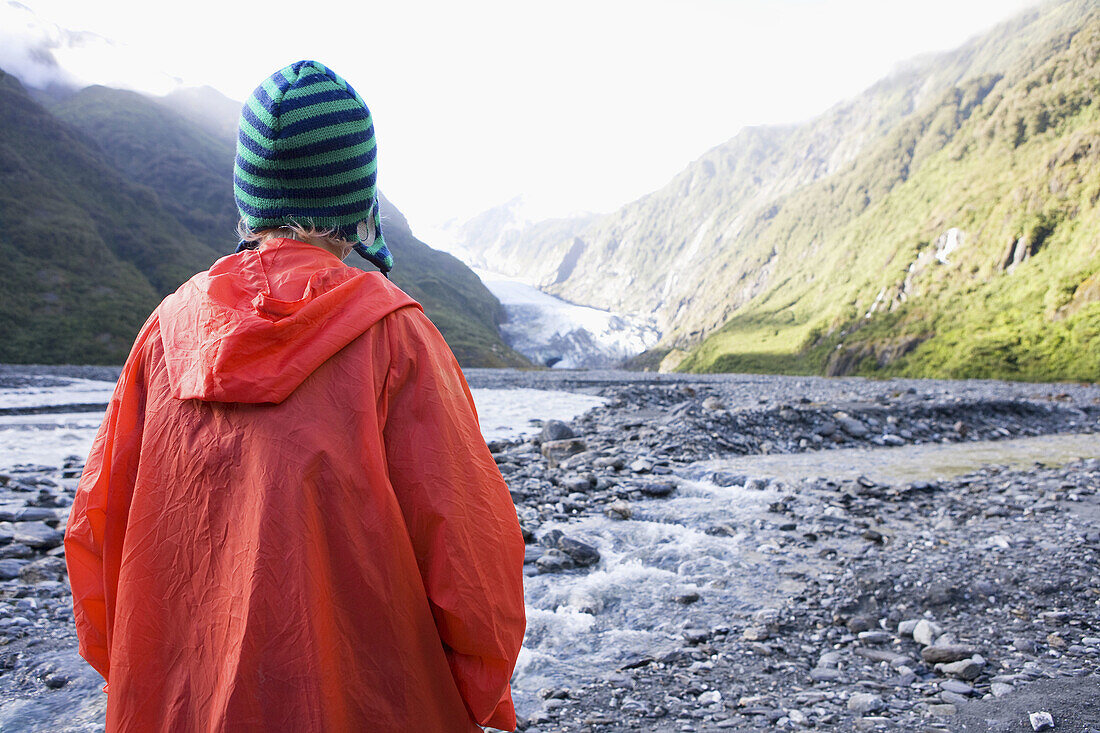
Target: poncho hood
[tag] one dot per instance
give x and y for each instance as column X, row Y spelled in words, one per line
column 254, row 326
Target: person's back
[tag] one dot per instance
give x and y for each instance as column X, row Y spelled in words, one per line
column 290, row 520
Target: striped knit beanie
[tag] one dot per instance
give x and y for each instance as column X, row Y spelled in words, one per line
column 306, row 156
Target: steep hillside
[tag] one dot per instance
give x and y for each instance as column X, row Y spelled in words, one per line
column 965, row 244
column 720, row 237
column 208, row 108
column 190, row 169
column 187, row 162
column 87, row 254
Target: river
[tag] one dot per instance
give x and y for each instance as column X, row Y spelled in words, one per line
column 702, row 546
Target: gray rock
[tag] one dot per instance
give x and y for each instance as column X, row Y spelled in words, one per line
column 755, row 633
column 46, row 569
column 37, row 534
column 926, row 632
column 35, row 514
column 964, row 669
column 1041, row 720
column 582, row 553
column 579, row 483
column 947, row 653
column 619, row 509
column 1025, row 645
column 850, row 425
column 861, row 622
column 531, row 554
column 553, row 430
column 554, row 561
column 695, row 636
column 10, row 567
column 17, row 550
column 556, row 451
column 953, row 697
column 875, row 637
column 905, row 628
column 957, row 686
column 865, row 702
column 1000, row 689
column 657, row 489
column 615, row 462
column 821, row 674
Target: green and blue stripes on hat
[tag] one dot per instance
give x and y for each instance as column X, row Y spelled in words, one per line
column 306, row 155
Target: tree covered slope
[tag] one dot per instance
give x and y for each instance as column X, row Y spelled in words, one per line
column 110, row 200
column 87, row 254
column 964, row 244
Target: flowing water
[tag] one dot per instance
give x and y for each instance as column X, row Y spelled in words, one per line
column 582, row 625
column 585, row 624
column 49, row 438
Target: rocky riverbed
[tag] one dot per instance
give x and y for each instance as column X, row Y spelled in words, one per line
column 738, row 553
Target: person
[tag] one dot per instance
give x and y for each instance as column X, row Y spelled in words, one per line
column 289, row 519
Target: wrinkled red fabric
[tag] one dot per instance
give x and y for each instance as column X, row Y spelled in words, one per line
column 289, row 519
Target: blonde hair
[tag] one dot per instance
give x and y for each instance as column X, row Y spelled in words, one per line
column 292, row 229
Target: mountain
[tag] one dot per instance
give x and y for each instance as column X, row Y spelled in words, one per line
column 502, row 238
column 208, row 108
column 190, row 169
column 87, row 254
column 158, row 186
column 455, row 299
column 822, row 247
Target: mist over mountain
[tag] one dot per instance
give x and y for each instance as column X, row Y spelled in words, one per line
column 942, row 223
column 110, row 199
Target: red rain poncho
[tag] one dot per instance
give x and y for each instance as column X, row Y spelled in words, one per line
column 290, row 521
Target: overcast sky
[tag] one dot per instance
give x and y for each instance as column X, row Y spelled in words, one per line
column 578, row 104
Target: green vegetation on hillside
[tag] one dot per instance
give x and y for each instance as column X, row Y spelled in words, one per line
column 1013, row 165
column 769, row 252
column 113, row 200
column 189, row 169
column 87, row 255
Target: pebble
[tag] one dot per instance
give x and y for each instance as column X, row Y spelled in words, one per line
column 957, row 686
column 905, row 628
column 556, row 430
column 864, row 702
column 38, row 535
column 820, row 674
column 947, row 653
column 965, row 669
column 1041, row 720
column 926, row 632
